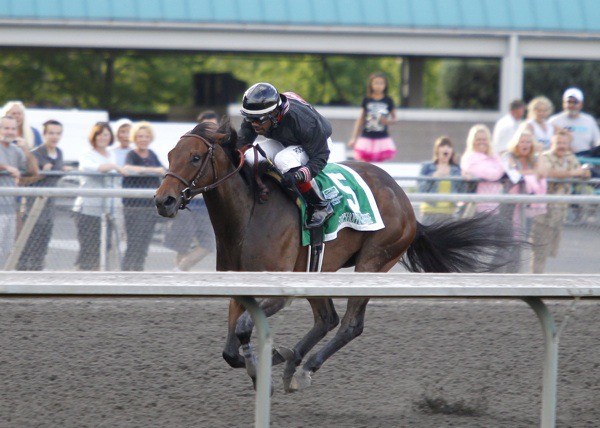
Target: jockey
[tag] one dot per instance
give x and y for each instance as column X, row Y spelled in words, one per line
column 297, row 142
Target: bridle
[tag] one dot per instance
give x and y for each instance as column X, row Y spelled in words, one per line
column 190, row 187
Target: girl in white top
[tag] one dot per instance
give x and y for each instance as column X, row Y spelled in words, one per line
column 539, row 110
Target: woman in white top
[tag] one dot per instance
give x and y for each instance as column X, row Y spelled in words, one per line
column 539, row 110
column 88, row 211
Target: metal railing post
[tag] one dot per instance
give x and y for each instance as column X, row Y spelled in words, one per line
column 550, row 361
column 263, row 375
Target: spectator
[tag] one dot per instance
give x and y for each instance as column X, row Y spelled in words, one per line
column 507, row 125
column 443, row 165
column 538, row 111
column 140, row 214
column 190, row 233
column 15, row 161
column 583, row 127
column 89, row 211
column 49, row 158
column 374, row 144
column 123, row 134
column 479, row 162
column 31, row 135
column 522, row 168
column 208, row 116
column 558, row 163
column 120, row 150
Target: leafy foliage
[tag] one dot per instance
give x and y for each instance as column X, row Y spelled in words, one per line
column 551, row 78
column 154, row 82
column 145, row 82
column 471, row 84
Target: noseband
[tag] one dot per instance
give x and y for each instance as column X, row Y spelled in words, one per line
column 190, row 187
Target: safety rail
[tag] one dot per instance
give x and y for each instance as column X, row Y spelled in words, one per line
column 40, row 195
column 246, row 287
column 77, row 173
column 414, row 197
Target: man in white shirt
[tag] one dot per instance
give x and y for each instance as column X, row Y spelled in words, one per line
column 15, row 161
column 507, row 125
column 582, row 126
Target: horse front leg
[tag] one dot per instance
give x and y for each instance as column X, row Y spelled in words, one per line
column 243, row 332
column 351, row 327
column 231, row 352
column 325, row 320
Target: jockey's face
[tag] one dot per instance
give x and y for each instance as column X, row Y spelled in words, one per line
column 260, row 127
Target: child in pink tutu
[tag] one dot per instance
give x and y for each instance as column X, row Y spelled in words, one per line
column 374, row 143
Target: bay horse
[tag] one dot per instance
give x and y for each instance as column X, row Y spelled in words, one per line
column 266, row 237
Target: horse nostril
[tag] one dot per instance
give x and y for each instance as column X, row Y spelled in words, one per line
column 170, row 201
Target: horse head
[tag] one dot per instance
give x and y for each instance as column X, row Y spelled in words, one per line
column 198, row 162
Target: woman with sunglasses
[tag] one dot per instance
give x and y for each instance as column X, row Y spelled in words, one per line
column 297, row 142
column 441, row 166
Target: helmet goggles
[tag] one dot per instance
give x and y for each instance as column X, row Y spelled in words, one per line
column 260, row 120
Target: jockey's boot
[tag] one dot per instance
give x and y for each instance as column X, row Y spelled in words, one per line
column 319, row 208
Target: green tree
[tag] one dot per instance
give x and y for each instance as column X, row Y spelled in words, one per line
column 551, row 78
column 150, row 82
column 471, row 84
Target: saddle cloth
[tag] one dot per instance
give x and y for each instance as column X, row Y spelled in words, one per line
column 352, row 200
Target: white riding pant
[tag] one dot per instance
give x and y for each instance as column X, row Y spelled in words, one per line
column 284, row 158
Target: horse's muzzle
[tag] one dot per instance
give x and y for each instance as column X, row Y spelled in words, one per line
column 167, row 206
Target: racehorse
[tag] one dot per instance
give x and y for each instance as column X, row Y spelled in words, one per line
column 251, row 236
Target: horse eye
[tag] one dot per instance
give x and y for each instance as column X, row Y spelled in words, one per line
column 196, row 158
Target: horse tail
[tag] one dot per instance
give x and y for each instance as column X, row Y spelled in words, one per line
column 481, row 243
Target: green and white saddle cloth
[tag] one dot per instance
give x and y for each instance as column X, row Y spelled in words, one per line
column 352, row 200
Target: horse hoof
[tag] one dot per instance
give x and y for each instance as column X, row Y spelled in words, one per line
column 286, row 385
column 276, row 358
column 236, row 361
column 286, row 353
column 301, row 380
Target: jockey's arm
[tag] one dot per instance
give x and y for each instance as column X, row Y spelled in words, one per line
column 317, row 149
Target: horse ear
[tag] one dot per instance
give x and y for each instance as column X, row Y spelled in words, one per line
column 224, row 124
column 226, row 134
column 221, row 138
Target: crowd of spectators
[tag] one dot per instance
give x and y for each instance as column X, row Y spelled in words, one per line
column 517, row 157
column 119, row 158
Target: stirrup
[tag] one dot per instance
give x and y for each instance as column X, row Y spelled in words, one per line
column 319, row 215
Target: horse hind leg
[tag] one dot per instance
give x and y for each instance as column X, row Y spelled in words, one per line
column 325, row 320
column 351, row 327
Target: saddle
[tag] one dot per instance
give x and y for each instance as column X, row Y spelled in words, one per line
column 317, row 235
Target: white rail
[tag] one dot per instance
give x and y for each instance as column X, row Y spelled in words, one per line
column 414, row 197
column 248, row 285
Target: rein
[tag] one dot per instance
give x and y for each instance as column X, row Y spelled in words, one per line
column 190, row 187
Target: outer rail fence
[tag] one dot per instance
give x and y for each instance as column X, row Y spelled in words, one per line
column 60, row 192
column 246, row 287
column 43, row 193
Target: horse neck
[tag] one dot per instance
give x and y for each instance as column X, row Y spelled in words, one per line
column 230, row 206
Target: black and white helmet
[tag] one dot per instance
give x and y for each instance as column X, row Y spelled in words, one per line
column 260, row 100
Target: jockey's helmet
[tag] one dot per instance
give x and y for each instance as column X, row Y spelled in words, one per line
column 260, row 100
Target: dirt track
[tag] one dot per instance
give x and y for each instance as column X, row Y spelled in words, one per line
column 157, row 363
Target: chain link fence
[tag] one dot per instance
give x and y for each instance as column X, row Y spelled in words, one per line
column 128, row 234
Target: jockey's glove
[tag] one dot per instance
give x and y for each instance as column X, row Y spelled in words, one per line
column 301, row 175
